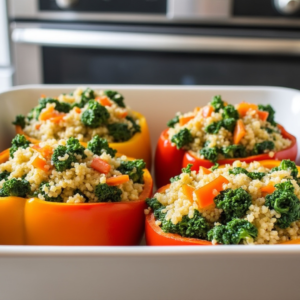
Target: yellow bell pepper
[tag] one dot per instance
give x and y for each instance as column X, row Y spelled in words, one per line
column 139, row 146
column 37, row 222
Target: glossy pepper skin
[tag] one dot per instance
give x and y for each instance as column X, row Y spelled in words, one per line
column 37, row 222
column 156, row 237
column 169, row 160
column 139, row 146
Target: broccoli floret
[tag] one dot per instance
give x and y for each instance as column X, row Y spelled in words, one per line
column 135, row 127
column 119, row 131
column 4, row 175
column 233, row 233
column 173, row 122
column 284, row 201
column 106, row 193
column 196, row 227
column 74, row 147
column 182, row 138
column 15, row 187
column 214, row 127
column 116, row 97
column 210, row 154
column 234, row 203
column 78, row 191
column 234, row 151
column 287, row 165
column 217, row 103
column 271, row 111
column 47, row 198
column 95, row 115
column 20, row 121
column 87, row 94
column 18, row 142
column 97, row 145
column 134, row 169
column 263, row 147
column 252, row 175
column 62, row 165
column 183, row 170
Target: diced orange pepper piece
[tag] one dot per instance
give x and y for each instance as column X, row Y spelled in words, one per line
column 57, row 119
column 188, row 191
column 45, row 151
column 207, row 111
column 123, row 114
column 204, row 171
column 117, row 180
column 100, row 165
column 46, row 114
column 263, row 115
column 206, row 194
column 239, row 132
column 243, row 107
column 77, row 109
column 38, row 126
column 197, row 109
column 40, row 164
column 184, row 120
column 104, row 101
column 268, row 189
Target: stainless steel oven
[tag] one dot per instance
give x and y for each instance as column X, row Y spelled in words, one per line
column 224, row 42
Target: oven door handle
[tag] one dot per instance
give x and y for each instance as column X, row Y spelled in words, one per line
column 153, row 42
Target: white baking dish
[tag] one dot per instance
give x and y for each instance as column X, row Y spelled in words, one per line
column 222, row 272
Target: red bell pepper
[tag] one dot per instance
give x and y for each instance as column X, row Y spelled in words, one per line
column 169, row 160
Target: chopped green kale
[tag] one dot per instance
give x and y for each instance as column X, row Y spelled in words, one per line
column 43, row 193
column 4, row 175
column 263, row 147
column 268, row 108
column 87, row 95
column 134, row 169
column 217, row 103
column 285, row 202
column 234, row 151
column 106, row 193
column 74, row 147
column 183, row 170
column 234, row 203
column 135, row 127
column 20, row 121
column 15, row 187
column 252, row 175
column 119, row 131
column 62, row 165
column 287, row 165
column 210, row 154
column 116, row 97
column 233, row 233
column 182, row 138
column 173, row 122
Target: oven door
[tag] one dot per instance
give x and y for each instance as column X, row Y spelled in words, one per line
column 106, row 54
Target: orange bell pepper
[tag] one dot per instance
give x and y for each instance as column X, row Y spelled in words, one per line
column 204, row 171
column 117, row 180
column 100, row 165
column 104, row 101
column 41, row 164
column 37, row 222
column 268, row 189
column 139, row 146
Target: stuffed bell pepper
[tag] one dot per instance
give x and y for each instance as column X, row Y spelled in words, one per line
column 84, row 114
column 61, row 193
column 253, row 204
column 220, row 133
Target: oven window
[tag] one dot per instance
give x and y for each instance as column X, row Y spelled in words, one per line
column 95, row 66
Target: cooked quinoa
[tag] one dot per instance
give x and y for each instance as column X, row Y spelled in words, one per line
column 65, row 171
column 209, row 132
column 262, row 201
column 81, row 114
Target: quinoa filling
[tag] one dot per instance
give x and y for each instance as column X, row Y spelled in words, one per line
column 238, row 204
column 220, row 130
column 65, row 171
column 81, row 114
